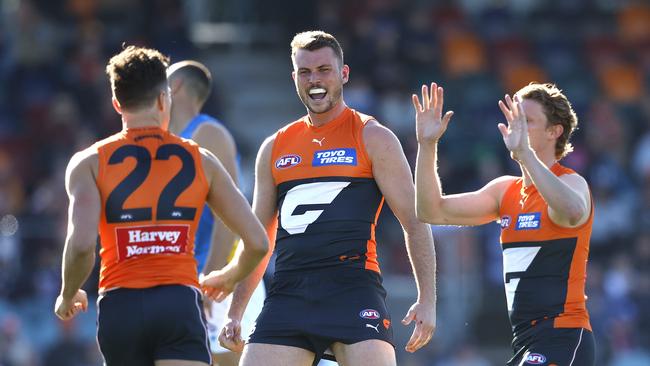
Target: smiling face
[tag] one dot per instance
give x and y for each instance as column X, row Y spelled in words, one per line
column 319, row 79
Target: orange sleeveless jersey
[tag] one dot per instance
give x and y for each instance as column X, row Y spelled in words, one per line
column 152, row 189
column 545, row 265
column 328, row 200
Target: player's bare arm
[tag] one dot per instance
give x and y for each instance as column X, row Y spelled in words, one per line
column 433, row 206
column 568, row 197
column 216, row 139
column 232, row 207
column 83, row 219
column 393, row 176
column 264, row 207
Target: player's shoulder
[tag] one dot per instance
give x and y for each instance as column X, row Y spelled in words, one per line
column 363, row 118
column 210, row 125
column 86, row 159
column 266, row 147
column 575, row 181
column 374, row 133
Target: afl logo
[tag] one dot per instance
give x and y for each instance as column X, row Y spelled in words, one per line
column 369, row 314
column 287, row 161
column 535, row 359
column 505, row 221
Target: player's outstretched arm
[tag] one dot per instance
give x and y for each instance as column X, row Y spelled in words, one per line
column 232, row 207
column 393, row 176
column 83, row 219
column 216, row 139
column 264, row 207
column 472, row 208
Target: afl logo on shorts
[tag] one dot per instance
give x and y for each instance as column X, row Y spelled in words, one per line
column 287, row 161
column 535, row 359
column 369, row 314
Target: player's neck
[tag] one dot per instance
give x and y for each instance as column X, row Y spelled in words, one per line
column 181, row 115
column 141, row 120
column 321, row 119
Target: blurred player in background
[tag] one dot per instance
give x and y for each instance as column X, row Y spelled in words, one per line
column 546, row 217
column 143, row 189
column 324, row 177
column 190, row 83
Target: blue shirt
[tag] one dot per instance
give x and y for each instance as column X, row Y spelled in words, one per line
column 206, row 222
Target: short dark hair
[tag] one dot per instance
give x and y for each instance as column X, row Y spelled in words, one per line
column 558, row 111
column 137, row 76
column 315, row 40
column 195, row 75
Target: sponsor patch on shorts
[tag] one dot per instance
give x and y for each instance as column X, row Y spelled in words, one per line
column 528, row 221
column 345, row 156
column 135, row 241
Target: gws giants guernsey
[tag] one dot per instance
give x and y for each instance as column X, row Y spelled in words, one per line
column 152, row 189
column 545, row 265
column 327, row 197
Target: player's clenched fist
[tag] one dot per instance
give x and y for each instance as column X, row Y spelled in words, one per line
column 67, row 309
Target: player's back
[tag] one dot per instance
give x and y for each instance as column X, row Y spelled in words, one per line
column 152, row 189
column 203, row 238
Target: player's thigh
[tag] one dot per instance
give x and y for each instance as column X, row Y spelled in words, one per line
column 571, row 347
column 121, row 332
column 372, row 352
column 179, row 363
column 226, row 358
column 256, row 354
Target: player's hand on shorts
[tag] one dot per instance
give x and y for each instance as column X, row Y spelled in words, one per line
column 217, row 285
column 424, row 316
column 67, row 308
column 429, row 122
column 230, row 336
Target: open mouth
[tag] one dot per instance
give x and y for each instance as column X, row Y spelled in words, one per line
column 317, row 93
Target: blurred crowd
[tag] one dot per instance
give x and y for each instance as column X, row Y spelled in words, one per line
column 55, row 100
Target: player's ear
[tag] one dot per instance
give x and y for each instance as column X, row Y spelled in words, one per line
column 556, row 130
column 345, row 73
column 175, row 84
column 161, row 101
column 116, row 105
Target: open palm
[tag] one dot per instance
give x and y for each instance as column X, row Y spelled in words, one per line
column 430, row 125
column 515, row 135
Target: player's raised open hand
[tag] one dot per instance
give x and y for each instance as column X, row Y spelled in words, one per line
column 515, row 135
column 424, row 316
column 430, row 124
